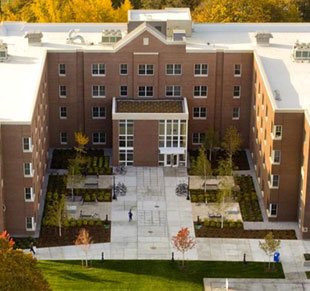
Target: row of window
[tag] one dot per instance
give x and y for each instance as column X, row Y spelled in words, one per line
column 99, row 91
column 201, row 113
column 148, row 69
column 97, row 138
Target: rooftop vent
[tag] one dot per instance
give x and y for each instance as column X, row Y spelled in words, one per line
column 110, row 36
column 72, row 38
column 277, row 95
column 263, row 38
column 179, row 34
column 3, row 51
column 301, row 52
column 34, row 37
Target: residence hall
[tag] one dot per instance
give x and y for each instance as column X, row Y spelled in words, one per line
column 146, row 91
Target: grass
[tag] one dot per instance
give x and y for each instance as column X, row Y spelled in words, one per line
column 148, row 275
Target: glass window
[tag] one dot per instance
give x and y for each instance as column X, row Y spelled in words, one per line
column 27, row 147
column 98, row 69
column 123, row 91
column 146, row 69
column 62, row 69
column 123, row 69
column 237, row 91
column 99, row 138
column 29, row 223
column 28, row 194
column 98, row 91
column 63, row 112
column 98, row 112
column 237, row 70
column 28, row 169
column 62, row 91
column 236, row 113
column 173, row 69
column 63, row 138
column 200, row 91
column 199, row 112
column 173, row 91
column 201, row 69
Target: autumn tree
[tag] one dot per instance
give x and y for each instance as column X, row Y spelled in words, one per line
column 84, row 241
column 183, row 242
column 247, row 11
column 224, row 168
column 231, row 142
column 211, row 141
column 269, row 246
column 224, row 197
column 304, row 8
column 201, row 166
column 56, row 212
column 18, row 271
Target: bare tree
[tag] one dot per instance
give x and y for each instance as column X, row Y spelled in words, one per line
column 84, row 241
column 211, row 141
column 231, row 142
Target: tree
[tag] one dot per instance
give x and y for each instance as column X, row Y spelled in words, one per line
column 201, row 166
column 211, row 141
column 183, row 242
column 84, row 240
column 247, row 11
column 224, row 168
column 223, row 197
column 18, row 271
column 269, row 246
column 231, row 142
column 304, row 8
column 55, row 212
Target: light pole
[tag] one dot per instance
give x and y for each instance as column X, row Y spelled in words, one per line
column 113, row 188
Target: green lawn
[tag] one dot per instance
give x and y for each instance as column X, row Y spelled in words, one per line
column 147, row 275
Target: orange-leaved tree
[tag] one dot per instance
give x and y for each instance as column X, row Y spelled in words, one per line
column 183, row 242
column 6, row 242
column 18, row 271
column 84, row 240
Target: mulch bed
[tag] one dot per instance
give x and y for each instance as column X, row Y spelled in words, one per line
column 49, row 235
column 243, row 233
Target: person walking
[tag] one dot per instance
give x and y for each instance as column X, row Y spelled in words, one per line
column 130, row 215
column 32, row 248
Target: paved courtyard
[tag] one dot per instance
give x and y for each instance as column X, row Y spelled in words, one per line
column 158, row 214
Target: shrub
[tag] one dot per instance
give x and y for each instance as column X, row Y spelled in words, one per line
column 98, row 222
column 85, row 222
column 91, row 223
column 201, row 198
column 93, row 197
column 79, row 222
column 218, row 224
column 73, row 222
column 87, row 197
column 206, row 223
column 66, row 223
column 232, row 224
column 212, row 223
column 194, row 198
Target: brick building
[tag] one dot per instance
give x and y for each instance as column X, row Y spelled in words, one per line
column 147, row 91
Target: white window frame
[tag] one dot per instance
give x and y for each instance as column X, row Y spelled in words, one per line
column 61, row 140
column 174, row 89
column 61, row 116
column 33, row 225
column 98, row 70
column 279, row 129
column 272, row 180
column 200, row 136
column 120, row 69
column 270, row 210
column 234, row 117
column 25, row 167
column 273, row 156
column 128, row 139
column 202, row 91
column 98, row 88
column 175, row 70
column 237, row 69
column 199, row 70
column 100, row 135
column 239, row 92
column 31, row 199
column 120, row 91
column 172, row 133
column 200, row 109
column 27, row 150
column 145, row 69
column 146, row 90
column 60, row 69
column 61, row 95
column 97, row 109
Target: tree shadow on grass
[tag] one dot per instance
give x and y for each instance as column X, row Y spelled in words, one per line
column 78, row 276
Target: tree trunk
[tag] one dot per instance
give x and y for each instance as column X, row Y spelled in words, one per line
column 222, row 220
column 86, row 262
column 59, row 227
column 72, row 193
column 268, row 262
column 183, row 259
column 210, row 154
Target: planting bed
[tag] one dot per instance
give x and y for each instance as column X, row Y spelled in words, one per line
column 96, row 162
column 100, row 232
column 237, row 232
column 246, row 198
column 240, row 160
column 56, row 184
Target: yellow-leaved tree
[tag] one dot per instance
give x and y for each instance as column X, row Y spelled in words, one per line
column 121, row 13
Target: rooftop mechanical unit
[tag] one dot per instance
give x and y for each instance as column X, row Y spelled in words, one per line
column 263, row 38
column 3, row 51
column 110, row 36
column 301, row 52
column 34, row 37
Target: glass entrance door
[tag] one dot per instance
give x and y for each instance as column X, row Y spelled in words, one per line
column 168, row 161
column 175, row 160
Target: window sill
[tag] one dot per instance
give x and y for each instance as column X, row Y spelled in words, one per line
column 200, row 97
column 98, row 75
column 63, row 96
column 237, row 76
column 201, row 75
column 98, row 117
column 98, row 143
column 236, row 97
column 98, row 97
column 235, row 118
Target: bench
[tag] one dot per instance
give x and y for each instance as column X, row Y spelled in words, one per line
column 91, row 184
column 71, row 208
column 214, row 215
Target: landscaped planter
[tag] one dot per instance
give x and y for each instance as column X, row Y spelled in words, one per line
column 307, row 260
